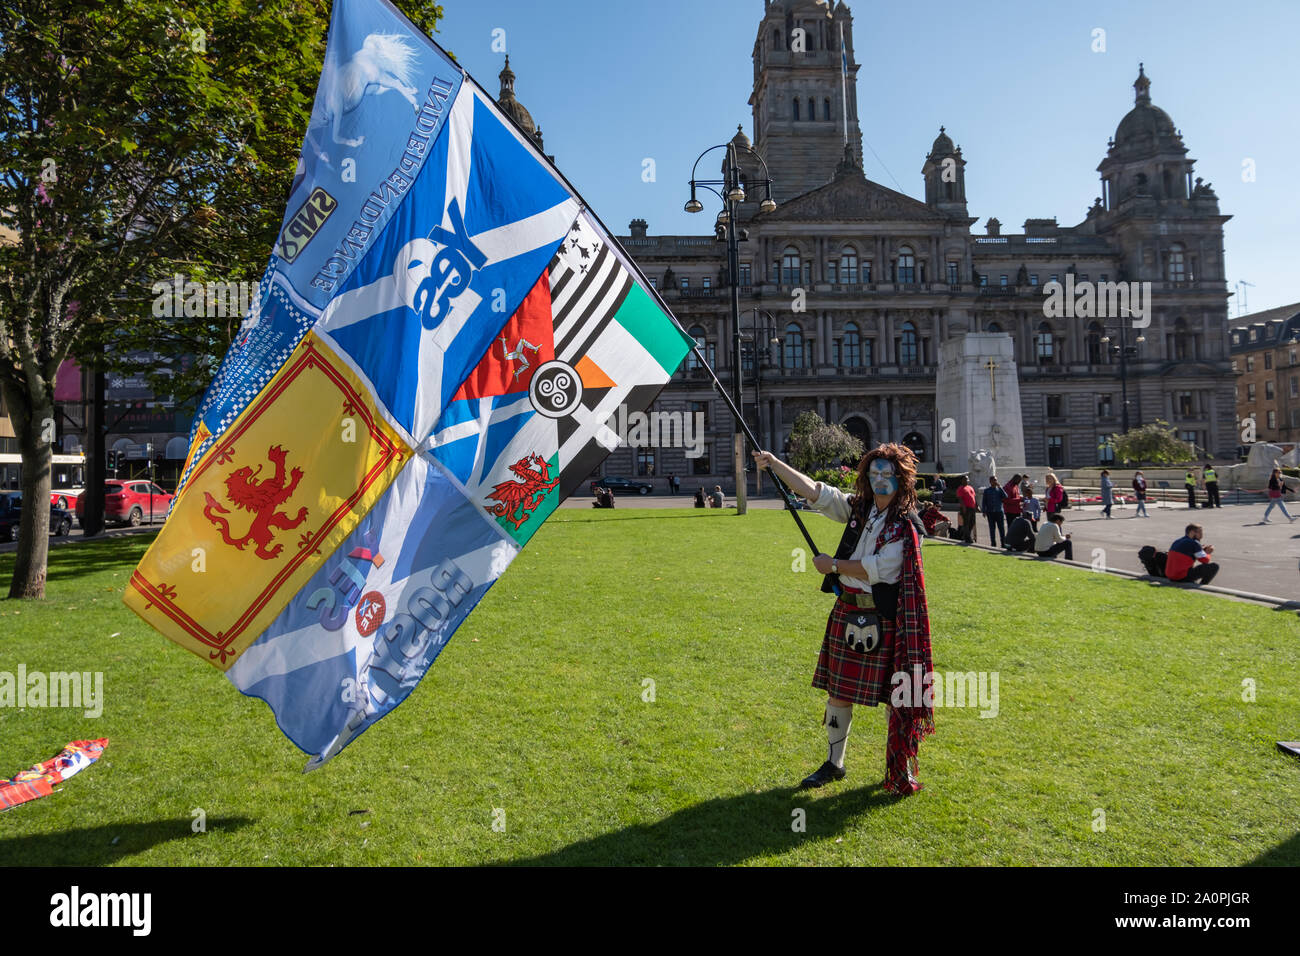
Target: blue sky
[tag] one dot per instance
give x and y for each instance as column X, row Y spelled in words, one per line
column 1017, row 84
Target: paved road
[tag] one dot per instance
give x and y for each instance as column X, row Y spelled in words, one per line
column 76, row 537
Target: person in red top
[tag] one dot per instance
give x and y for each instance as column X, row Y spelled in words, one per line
column 966, row 509
column 1186, row 553
column 1011, row 504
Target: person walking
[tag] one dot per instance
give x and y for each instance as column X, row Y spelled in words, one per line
column 1276, row 489
column 1140, row 493
column 1050, row 541
column 1054, row 495
column 1107, row 493
column 1211, row 480
column 966, row 509
column 879, row 624
column 936, row 493
column 1186, row 553
column 991, row 505
column 1190, row 483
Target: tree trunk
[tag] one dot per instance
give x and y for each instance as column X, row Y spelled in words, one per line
column 35, row 437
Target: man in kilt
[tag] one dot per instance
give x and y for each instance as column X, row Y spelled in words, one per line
column 877, row 643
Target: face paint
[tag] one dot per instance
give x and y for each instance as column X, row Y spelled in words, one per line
column 880, row 475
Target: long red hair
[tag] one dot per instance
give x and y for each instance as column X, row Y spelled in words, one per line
column 904, row 460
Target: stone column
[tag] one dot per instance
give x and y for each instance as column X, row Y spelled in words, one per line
column 882, row 420
column 886, row 339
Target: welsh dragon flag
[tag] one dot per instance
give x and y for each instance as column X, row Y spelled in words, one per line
column 439, row 344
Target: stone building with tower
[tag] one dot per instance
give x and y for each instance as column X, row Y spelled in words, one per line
column 885, row 279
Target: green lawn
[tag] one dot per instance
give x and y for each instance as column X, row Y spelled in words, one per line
column 1115, row 696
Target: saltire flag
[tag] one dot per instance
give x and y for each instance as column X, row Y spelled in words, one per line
column 441, row 341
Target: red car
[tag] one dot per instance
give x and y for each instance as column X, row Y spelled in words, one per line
column 130, row 501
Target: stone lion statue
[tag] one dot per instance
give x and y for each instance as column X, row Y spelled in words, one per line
column 981, row 466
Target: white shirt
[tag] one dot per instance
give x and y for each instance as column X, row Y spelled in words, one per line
column 883, row 567
column 1049, row 534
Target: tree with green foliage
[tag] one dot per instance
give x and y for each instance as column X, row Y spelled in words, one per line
column 1155, row 443
column 816, row 444
column 138, row 139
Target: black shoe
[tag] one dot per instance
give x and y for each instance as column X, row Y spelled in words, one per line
column 823, row 775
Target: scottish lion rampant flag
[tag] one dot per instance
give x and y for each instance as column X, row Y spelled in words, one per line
column 443, row 333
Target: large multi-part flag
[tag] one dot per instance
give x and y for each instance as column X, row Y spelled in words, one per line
column 444, row 331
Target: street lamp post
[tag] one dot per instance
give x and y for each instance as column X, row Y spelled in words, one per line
column 732, row 193
column 769, row 335
column 1124, row 351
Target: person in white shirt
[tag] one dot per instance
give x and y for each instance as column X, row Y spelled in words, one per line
column 1050, row 542
column 876, row 646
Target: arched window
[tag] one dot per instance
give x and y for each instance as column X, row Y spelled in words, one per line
column 908, row 346
column 906, row 265
column 776, row 39
column 826, row 108
column 1182, row 340
column 790, row 266
column 857, row 427
column 848, row 265
column 792, row 357
column 1045, row 345
column 697, row 333
column 796, row 109
column 812, row 108
column 994, row 327
column 916, row 442
column 1093, row 341
column 852, row 345
column 1177, row 263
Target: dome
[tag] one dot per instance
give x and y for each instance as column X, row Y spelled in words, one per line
column 1146, row 127
column 740, row 139
column 511, row 106
column 942, row 144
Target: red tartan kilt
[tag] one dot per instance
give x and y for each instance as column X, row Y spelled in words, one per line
column 848, row 675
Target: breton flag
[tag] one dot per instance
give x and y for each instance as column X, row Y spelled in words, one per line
column 441, row 338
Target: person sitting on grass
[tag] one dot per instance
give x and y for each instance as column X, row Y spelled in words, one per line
column 1020, row 536
column 1050, row 541
column 1186, row 553
column 935, row 521
column 699, row 499
column 718, row 500
column 604, row 498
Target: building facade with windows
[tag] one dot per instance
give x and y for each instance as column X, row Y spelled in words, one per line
column 856, row 284
column 1266, row 355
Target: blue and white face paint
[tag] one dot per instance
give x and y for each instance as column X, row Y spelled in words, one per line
column 881, row 477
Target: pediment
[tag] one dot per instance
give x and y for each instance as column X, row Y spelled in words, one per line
column 850, row 196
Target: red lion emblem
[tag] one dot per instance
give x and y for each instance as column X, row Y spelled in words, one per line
column 513, row 497
column 261, row 498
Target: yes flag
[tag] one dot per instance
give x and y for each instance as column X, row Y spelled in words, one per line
column 443, row 333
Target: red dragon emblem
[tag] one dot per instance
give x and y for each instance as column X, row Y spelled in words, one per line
column 515, row 500
column 262, row 498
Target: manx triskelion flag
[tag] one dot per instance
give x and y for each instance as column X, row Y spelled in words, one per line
column 443, row 333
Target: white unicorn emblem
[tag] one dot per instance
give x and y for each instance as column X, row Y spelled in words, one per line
column 384, row 62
